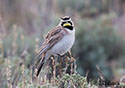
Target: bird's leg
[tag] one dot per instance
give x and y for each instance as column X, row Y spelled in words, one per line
column 71, row 57
column 69, row 54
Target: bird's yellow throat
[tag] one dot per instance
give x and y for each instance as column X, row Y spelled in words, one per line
column 67, row 24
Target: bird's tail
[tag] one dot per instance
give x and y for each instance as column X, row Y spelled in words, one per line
column 39, row 64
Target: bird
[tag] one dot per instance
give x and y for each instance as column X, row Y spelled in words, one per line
column 58, row 41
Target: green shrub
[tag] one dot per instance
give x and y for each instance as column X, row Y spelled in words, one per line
column 97, row 44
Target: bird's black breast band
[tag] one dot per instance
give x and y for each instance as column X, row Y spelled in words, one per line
column 69, row 27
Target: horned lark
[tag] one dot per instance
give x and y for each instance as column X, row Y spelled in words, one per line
column 57, row 42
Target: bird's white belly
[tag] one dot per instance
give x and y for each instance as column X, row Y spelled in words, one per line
column 63, row 45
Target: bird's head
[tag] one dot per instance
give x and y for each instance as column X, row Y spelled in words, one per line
column 66, row 22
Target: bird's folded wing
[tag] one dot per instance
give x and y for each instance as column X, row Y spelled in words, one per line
column 53, row 32
column 52, row 38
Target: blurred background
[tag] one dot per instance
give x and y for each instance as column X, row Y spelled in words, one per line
column 100, row 34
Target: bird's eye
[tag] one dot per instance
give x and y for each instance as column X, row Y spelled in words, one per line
column 63, row 23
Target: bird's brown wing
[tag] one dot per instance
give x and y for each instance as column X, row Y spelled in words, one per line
column 51, row 39
column 53, row 32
